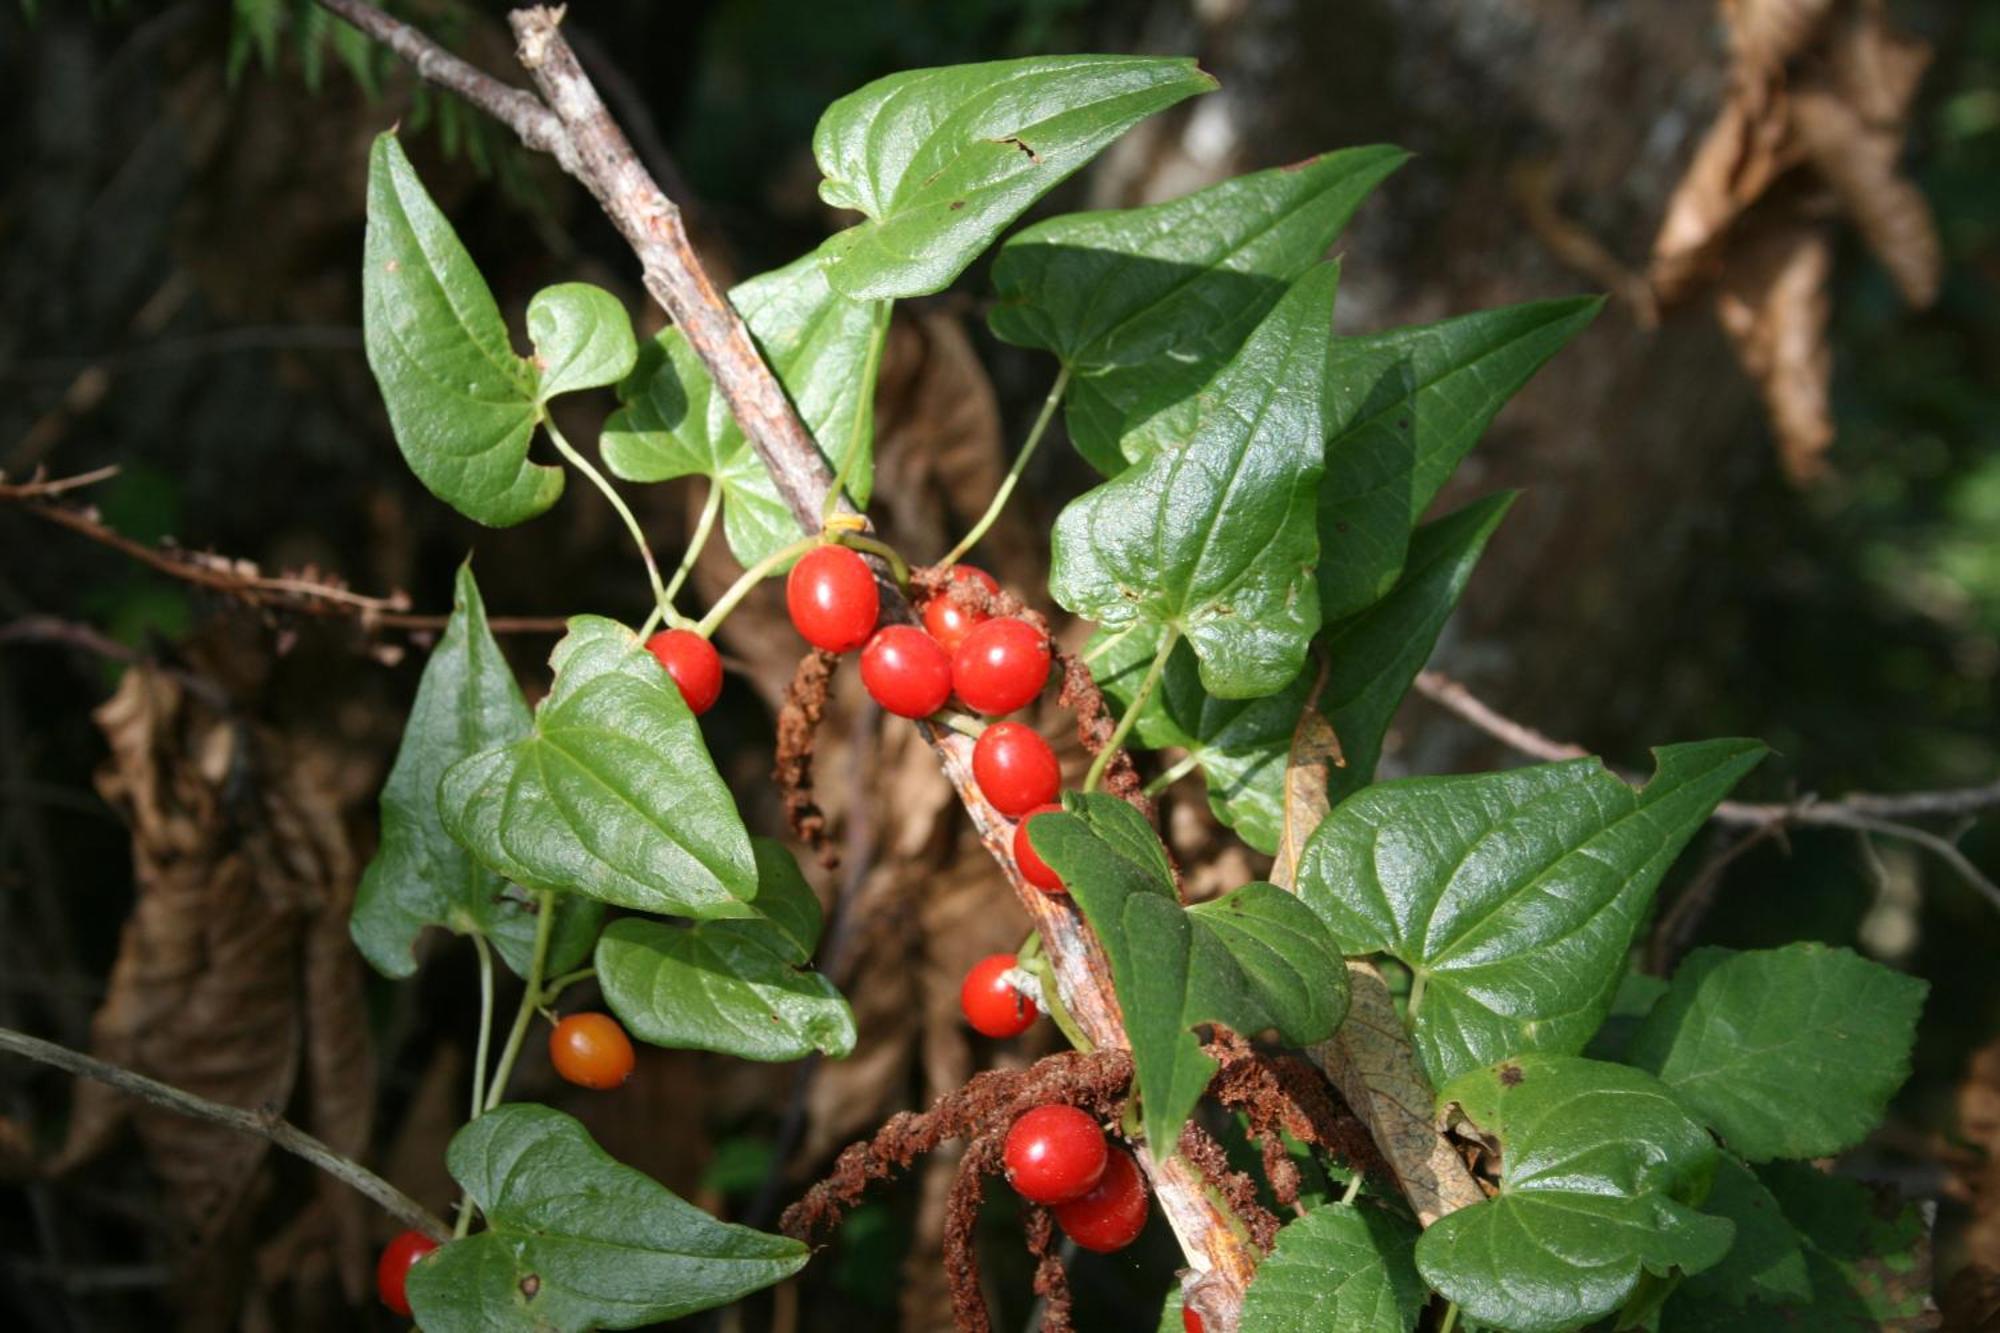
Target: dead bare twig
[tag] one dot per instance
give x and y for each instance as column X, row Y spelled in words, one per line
column 263, row 1124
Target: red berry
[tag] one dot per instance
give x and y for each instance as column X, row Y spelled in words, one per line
column 392, row 1270
column 905, row 671
column 1001, row 665
column 591, row 1051
column 1054, row 1153
column 1113, row 1213
column 832, row 598
column 947, row 621
column 1015, row 767
column 1033, row 868
column 1190, row 1321
column 693, row 663
column 991, row 1004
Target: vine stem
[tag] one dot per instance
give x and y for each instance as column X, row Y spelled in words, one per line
column 1013, row 477
column 702, row 528
column 661, row 603
column 265, row 1125
column 531, row 997
column 1131, row 715
column 749, row 579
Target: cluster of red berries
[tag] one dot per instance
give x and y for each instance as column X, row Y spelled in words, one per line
column 1058, row 1156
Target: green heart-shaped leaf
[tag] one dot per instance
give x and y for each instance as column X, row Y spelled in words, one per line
column 1255, row 958
column 940, row 160
column 466, row 702
column 1790, row 1052
column 462, row 405
column 575, row 1240
column 582, row 336
column 1867, row 1261
column 1338, row 1267
column 1512, row 896
column 1442, row 383
column 732, row 986
column 1242, row 744
column 825, row 349
column 1144, row 305
column 1216, row 540
column 613, row 795
column 1600, row 1169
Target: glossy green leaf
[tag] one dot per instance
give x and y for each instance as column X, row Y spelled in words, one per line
column 1252, row 959
column 939, row 161
column 1767, row 1262
column 1241, row 745
column 582, row 337
column 462, row 405
column 738, row 987
column 1867, row 1263
column 1338, row 1267
column 466, row 702
column 613, row 795
column 1374, row 655
column 1512, row 896
column 575, row 1240
column 825, row 349
column 1144, row 305
column 1443, row 383
column 1216, row 541
column 1366, row 509
column 1600, row 1172
column 1790, row 1052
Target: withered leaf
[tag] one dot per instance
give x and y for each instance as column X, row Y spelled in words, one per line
column 1773, row 303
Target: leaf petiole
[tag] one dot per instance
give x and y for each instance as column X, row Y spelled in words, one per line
column 702, row 528
column 1013, row 477
column 661, row 601
column 748, row 580
column 1186, row 765
column 531, row 997
column 1146, row 687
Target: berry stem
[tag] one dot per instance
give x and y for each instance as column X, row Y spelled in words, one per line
column 564, row 982
column 959, row 722
column 531, row 997
column 702, row 528
column 749, row 579
column 1186, row 765
column 865, row 403
column 1124, row 727
column 596, row 478
column 1013, row 477
column 1052, row 1001
column 899, row 568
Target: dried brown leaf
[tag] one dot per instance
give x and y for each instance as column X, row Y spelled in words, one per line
column 1764, row 34
column 1773, row 303
column 1850, row 121
column 234, row 952
column 1315, row 753
column 1746, row 149
column 1979, row 1180
column 1370, row 1061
